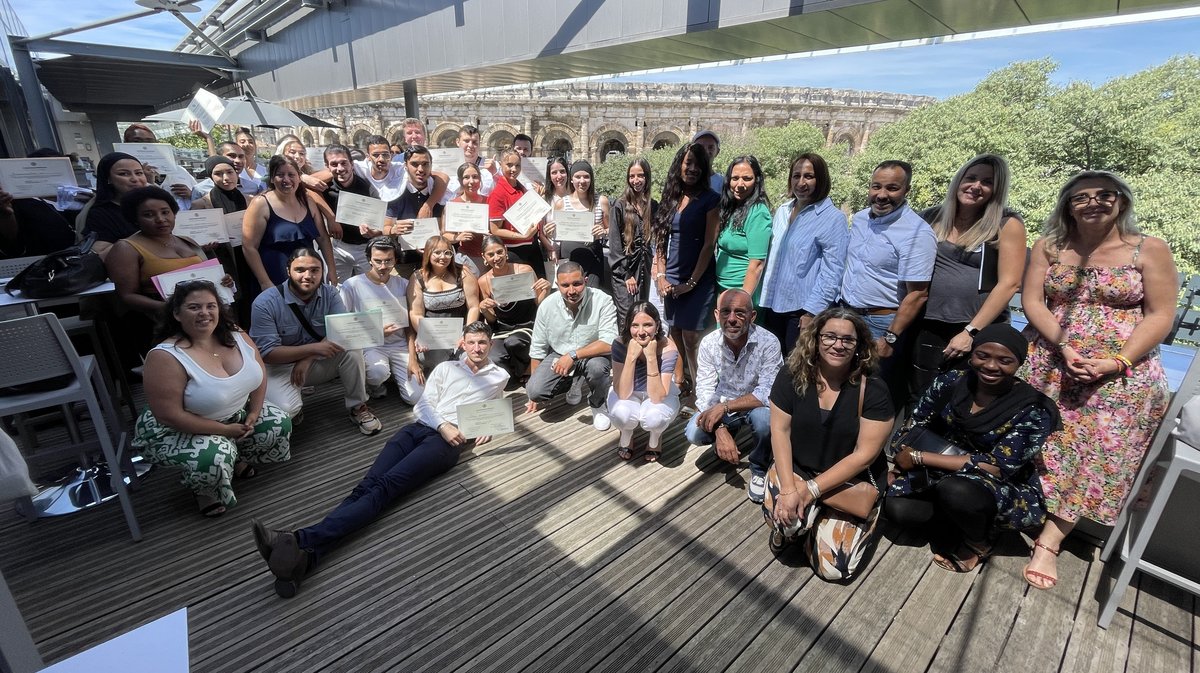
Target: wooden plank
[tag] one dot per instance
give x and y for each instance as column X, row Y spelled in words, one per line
column 1161, row 639
column 1090, row 648
column 912, row 640
column 981, row 626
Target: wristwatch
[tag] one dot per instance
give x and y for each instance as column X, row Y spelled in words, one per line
column 574, row 356
column 971, row 330
column 890, row 337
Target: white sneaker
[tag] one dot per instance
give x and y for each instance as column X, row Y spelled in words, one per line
column 575, row 394
column 366, row 420
column 600, row 419
column 756, row 490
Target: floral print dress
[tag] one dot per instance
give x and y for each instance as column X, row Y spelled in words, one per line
column 1012, row 447
column 1089, row 467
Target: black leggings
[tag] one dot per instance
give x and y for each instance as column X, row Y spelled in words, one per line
column 957, row 508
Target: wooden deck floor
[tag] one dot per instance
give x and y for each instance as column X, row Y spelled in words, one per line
column 543, row 552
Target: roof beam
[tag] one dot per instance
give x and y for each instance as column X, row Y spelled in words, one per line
column 124, row 53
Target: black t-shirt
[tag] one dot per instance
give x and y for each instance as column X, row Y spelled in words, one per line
column 359, row 185
column 407, row 205
column 109, row 225
column 41, row 230
column 818, row 444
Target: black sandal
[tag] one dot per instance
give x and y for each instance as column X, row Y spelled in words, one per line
column 212, row 510
column 652, row 455
column 247, row 470
column 625, row 452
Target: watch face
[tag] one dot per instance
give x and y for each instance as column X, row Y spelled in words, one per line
column 889, row 338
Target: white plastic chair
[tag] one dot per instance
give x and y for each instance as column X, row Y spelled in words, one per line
column 46, row 353
column 1134, row 527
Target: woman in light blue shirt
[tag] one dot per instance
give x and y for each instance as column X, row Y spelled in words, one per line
column 809, row 238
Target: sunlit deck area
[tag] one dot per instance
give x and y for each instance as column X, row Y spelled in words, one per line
column 542, row 551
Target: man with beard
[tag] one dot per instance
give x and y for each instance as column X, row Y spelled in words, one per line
column 572, row 339
column 288, row 326
column 349, row 251
column 735, row 369
column 415, row 455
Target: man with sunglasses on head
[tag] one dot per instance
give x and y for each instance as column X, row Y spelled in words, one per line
column 736, row 366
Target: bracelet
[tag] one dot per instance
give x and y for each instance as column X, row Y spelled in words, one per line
column 725, row 405
column 1062, row 345
column 690, row 283
column 659, row 275
column 786, row 493
column 654, row 374
column 918, row 459
column 1126, row 364
column 813, row 489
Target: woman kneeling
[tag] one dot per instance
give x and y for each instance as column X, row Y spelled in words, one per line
column 829, row 420
column 998, row 423
column 643, row 391
column 207, row 410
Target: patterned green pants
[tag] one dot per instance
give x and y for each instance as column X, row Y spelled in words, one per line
column 207, row 460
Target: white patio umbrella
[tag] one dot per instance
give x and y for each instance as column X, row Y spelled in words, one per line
column 250, row 111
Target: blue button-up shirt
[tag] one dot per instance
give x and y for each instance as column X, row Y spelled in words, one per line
column 885, row 252
column 808, row 253
column 273, row 324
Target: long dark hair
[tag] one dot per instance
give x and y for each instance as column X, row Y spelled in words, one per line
column 674, row 189
column 550, row 185
column 168, row 324
column 104, row 189
column 637, row 207
column 276, row 163
column 586, row 167
column 733, row 212
column 641, row 307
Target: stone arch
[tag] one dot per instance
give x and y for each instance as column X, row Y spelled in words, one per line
column 395, row 133
column 445, row 134
column 306, row 137
column 555, row 139
column 329, row 138
column 608, row 139
column 670, row 137
column 358, row 133
column 500, row 137
column 851, row 136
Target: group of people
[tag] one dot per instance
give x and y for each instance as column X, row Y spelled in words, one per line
column 828, row 330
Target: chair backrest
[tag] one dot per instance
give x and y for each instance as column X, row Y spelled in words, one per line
column 11, row 267
column 37, row 349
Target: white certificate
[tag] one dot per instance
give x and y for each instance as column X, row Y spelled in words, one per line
column 574, row 225
column 424, row 228
column 206, row 107
column 32, row 178
column 394, row 310
column 533, row 169
column 489, row 418
column 158, row 155
column 204, row 226
column 446, row 159
column 355, row 210
column 316, row 157
column 233, row 227
column 527, row 212
column 513, row 287
column 440, row 333
column 355, row 331
column 466, row 217
column 209, row 270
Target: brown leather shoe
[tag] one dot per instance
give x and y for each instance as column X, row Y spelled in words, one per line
column 266, row 539
column 289, row 564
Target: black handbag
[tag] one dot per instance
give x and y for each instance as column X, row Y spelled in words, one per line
column 61, row 274
column 920, row 438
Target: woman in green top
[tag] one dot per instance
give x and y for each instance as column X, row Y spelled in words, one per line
column 745, row 227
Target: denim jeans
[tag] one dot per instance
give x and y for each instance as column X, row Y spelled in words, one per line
column 759, row 420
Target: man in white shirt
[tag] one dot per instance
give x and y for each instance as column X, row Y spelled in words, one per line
column 412, row 457
column 245, row 140
column 379, row 289
column 468, row 142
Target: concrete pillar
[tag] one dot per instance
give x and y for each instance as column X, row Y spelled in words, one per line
column 104, row 128
column 344, row 132
column 584, row 149
column 44, row 132
column 411, row 108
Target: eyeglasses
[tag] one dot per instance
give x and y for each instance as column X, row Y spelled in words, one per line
column 383, row 262
column 828, row 339
column 1103, row 198
column 738, row 313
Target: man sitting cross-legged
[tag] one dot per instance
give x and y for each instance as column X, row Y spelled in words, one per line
column 412, row 457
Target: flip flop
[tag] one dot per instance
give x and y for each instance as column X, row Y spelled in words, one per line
column 625, row 452
column 1027, row 573
column 212, row 509
column 247, row 471
column 652, row 455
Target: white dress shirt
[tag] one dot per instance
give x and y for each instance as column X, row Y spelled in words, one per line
column 453, row 383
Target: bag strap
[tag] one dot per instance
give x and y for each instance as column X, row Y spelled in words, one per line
column 299, row 315
column 862, row 395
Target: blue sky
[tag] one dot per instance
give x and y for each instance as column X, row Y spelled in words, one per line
column 1093, row 54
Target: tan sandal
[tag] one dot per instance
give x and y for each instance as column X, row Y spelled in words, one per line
column 1031, row 575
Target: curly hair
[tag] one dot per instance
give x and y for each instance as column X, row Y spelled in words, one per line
column 169, row 326
column 802, row 361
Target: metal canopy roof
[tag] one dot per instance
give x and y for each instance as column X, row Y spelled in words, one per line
column 331, row 52
column 126, row 89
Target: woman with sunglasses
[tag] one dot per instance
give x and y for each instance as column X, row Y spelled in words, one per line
column 1100, row 296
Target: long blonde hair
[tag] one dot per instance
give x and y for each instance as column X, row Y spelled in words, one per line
column 1061, row 221
column 987, row 227
column 802, row 361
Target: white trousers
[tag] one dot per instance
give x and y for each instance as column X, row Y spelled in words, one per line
column 392, row 360
column 347, row 365
column 638, row 411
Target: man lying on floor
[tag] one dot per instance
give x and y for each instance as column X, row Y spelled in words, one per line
column 412, row 457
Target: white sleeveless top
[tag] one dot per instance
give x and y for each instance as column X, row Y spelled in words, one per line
column 218, row 397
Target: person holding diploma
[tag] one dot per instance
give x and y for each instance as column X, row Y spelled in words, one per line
column 288, row 324
column 629, row 239
column 583, row 198
column 415, row 455
column 116, row 174
column 441, row 288
column 572, row 339
column 973, row 222
column 207, row 411
column 278, row 222
column 397, row 357
column 468, row 242
column 643, row 391
column 524, row 247
column 512, row 321
column 402, row 210
column 350, row 256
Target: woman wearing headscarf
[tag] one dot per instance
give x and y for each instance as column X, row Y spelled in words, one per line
column 225, row 193
column 999, row 423
column 116, row 175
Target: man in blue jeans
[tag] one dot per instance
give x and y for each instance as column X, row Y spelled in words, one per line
column 412, row 457
column 735, row 369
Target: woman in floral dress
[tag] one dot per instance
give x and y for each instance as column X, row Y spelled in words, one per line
column 1100, row 297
